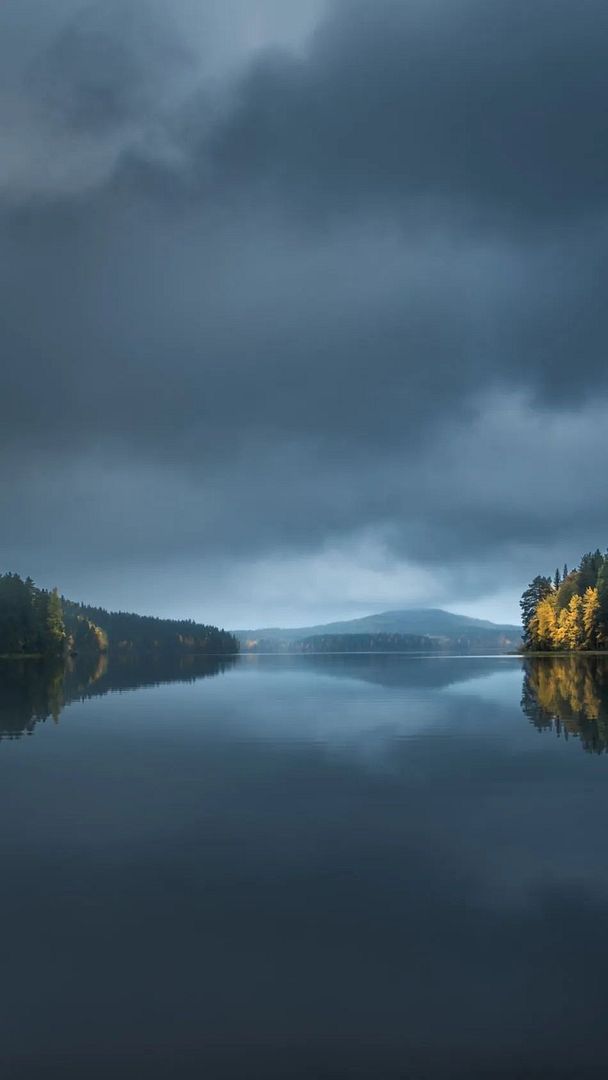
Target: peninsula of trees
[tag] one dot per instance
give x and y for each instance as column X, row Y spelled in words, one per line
column 37, row 622
column 568, row 612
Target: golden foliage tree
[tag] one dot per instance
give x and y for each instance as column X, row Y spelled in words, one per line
column 543, row 625
column 569, row 628
column 591, row 611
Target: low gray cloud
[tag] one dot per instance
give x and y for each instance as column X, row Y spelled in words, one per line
column 338, row 298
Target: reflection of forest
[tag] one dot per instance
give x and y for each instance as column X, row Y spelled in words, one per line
column 32, row 691
column 569, row 695
column 29, row 691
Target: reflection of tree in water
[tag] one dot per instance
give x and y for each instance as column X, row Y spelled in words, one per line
column 31, row 691
column 569, row 695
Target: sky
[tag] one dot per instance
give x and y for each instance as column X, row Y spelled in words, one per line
column 303, row 307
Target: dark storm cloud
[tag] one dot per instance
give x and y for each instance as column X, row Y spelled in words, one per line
column 106, row 68
column 351, row 292
column 497, row 109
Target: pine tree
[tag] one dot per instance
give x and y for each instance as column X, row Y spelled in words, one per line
column 602, row 596
column 537, row 590
column 54, row 626
column 589, row 568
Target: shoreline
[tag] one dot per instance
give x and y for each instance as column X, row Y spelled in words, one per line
column 562, row 652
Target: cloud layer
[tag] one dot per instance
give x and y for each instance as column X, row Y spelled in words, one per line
column 280, row 296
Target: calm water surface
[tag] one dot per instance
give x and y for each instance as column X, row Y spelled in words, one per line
column 315, row 867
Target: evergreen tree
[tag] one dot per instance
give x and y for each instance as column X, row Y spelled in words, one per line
column 569, row 587
column 588, row 571
column 571, row 613
column 35, row 621
column 537, row 590
column 602, row 612
column 54, row 627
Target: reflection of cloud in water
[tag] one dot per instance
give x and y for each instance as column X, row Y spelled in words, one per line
column 501, row 687
column 235, row 837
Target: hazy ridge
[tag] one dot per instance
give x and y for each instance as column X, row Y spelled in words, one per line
column 446, row 627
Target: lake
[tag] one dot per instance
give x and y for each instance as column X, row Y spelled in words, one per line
column 305, row 867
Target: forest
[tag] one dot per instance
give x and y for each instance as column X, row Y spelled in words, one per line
column 344, row 643
column 321, row 643
column 39, row 622
column 31, row 619
column 569, row 611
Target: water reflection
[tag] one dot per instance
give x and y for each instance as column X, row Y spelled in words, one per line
column 566, row 695
column 29, row 692
column 396, row 670
column 569, row 695
column 311, row 867
column 32, row 692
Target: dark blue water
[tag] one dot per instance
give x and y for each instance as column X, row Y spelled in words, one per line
column 332, row 867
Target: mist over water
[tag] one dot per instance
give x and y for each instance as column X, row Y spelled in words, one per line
column 337, row 866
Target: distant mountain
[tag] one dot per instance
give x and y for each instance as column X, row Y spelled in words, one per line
column 446, row 628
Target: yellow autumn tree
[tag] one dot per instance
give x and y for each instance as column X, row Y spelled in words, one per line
column 569, row 612
column 543, row 624
column 591, row 610
column 570, row 630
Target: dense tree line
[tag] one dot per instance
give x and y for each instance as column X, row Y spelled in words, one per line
column 320, row 643
column 127, row 631
column 333, row 643
column 569, row 611
column 35, row 621
column 31, row 619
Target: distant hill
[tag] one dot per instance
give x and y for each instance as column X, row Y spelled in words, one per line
column 445, row 628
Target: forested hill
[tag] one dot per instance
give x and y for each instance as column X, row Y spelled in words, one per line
column 446, row 629
column 35, row 621
column 569, row 611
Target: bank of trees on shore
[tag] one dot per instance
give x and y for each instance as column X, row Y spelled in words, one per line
column 323, row 643
column 569, row 611
column 128, row 631
column 38, row 622
column 31, row 619
column 345, row 643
